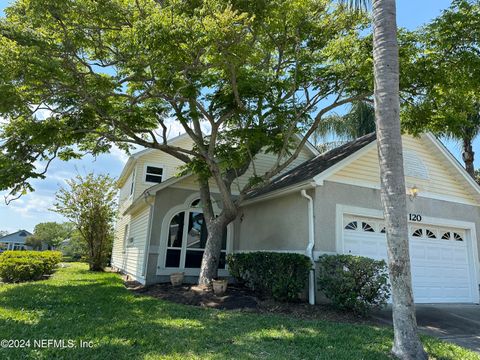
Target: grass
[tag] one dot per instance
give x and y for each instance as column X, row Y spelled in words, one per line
column 78, row 305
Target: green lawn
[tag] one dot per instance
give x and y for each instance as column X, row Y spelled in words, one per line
column 79, row 305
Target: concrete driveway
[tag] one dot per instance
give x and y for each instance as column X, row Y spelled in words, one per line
column 459, row 324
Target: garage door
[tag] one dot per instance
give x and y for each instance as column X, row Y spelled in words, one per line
column 439, row 257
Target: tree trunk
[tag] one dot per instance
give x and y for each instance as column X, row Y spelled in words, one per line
column 216, row 227
column 468, row 156
column 211, row 256
column 387, row 107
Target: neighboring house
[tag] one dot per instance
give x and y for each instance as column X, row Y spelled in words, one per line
column 15, row 241
column 329, row 200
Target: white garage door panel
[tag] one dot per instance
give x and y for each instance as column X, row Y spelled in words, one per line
column 440, row 267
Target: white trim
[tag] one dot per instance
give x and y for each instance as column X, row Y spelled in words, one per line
column 421, row 194
column 134, row 157
column 149, row 237
column 154, row 165
column 469, row 227
column 280, row 192
column 308, row 145
column 161, row 268
column 319, row 178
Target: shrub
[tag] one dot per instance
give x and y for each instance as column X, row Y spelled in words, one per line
column 279, row 275
column 354, row 283
column 16, row 266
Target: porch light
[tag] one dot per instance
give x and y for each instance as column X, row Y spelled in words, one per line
column 413, row 192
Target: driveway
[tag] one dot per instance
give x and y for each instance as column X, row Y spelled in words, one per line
column 459, row 324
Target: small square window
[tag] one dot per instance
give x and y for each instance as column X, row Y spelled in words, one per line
column 154, row 174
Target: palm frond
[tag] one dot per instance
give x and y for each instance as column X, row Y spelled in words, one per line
column 359, row 5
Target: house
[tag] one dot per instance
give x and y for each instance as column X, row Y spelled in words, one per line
column 15, row 241
column 322, row 204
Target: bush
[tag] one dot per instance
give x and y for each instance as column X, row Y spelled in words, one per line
column 16, row 266
column 354, row 283
column 279, row 275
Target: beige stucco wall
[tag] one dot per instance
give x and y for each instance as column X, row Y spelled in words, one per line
column 164, row 201
column 277, row 224
column 331, row 194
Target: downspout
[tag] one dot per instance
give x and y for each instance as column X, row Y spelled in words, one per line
column 309, row 250
column 149, row 236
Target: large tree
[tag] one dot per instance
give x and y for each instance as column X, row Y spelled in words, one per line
column 240, row 77
column 406, row 343
column 447, row 94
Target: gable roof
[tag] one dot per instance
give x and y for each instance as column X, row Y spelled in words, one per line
column 134, row 157
column 307, row 170
column 17, row 237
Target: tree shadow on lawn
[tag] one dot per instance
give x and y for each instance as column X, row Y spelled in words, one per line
column 122, row 325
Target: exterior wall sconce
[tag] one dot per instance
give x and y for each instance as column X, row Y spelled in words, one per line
column 413, row 192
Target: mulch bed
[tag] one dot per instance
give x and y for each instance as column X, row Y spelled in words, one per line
column 240, row 298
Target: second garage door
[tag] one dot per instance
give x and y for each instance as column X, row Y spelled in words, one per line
column 439, row 257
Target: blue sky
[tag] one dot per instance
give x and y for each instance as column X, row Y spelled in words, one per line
column 33, row 208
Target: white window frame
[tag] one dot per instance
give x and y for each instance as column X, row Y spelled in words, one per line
column 159, row 166
column 162, row 256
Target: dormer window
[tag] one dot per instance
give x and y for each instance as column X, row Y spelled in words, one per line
column 153, row 174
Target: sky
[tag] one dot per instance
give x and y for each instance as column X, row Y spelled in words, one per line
column 34, row 208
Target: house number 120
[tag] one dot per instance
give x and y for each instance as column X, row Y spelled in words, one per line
column 415, row 217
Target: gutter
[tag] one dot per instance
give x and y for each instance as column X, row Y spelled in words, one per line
column 149, row 237
column 309, row 249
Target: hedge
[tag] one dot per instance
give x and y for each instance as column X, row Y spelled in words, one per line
column 354, row 283
column 279, row 275
column 16, row 266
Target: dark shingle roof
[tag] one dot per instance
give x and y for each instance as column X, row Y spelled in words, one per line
column 314, row 166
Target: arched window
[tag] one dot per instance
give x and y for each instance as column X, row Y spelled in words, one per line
column 351, row 226
column 457, row 237
column 418, row 233
column 366, row 227
column 430, row 234
column 187, row 236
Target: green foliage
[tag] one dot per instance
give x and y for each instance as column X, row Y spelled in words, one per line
column 89, row 202
column 79, row 76
column 49, row 233
column 447, row 71
column 359, row 121
column 279, row 275
column 354, row 283
column 16, row 266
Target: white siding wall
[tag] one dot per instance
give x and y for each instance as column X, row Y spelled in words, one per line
column 130, row 258
column 158, row 158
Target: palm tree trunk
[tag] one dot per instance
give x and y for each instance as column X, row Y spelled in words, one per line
column 468, row 156
column 387, row 107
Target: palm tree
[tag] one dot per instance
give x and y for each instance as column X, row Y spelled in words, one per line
column 406, row 344
column 359, row 121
